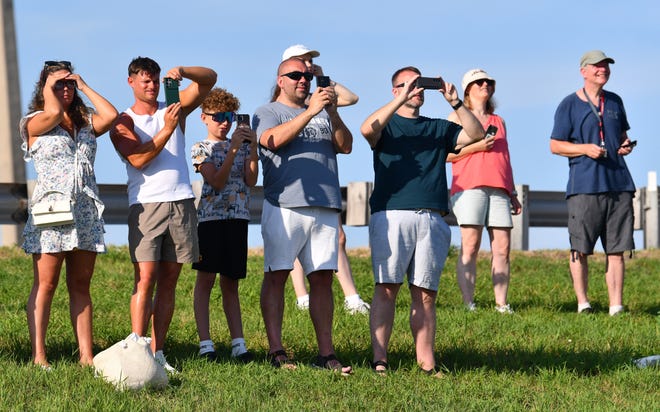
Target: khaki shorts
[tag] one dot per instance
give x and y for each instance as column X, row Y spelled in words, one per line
column 165, row 231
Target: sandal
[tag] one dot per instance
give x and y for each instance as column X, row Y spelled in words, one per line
column 434, row 373
column 279, row 359
column 375, row 365
column 331, row 362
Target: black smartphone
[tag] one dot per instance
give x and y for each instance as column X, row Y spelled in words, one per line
column 322, row 81
column 243, row 120
column 491, row 131
column 171, row 90
column 431, row 83
column 632, row 143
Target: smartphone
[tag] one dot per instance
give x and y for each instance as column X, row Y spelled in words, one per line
column 171, row 90
column 491, row 131
column 431, row 83
column 243, row 120
column 632, row 143
column 322, row 81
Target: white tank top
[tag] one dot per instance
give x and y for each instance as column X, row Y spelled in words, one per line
column 165, row 178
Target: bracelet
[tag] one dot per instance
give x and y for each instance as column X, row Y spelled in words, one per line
column 457, row 105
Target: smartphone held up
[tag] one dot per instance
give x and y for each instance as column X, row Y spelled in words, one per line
column 171, row 90
column 322, row 81
column 430, row 83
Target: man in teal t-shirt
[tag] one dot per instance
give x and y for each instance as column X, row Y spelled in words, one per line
column 407, row 233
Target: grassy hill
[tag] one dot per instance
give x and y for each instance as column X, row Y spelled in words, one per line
column 543, row 357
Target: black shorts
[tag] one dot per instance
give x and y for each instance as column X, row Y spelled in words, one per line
column 223, row 247
column 605, row 215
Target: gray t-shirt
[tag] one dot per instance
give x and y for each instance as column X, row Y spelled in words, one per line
column 304, row 172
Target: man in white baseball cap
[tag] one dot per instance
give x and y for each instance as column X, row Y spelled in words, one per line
column 345, row 97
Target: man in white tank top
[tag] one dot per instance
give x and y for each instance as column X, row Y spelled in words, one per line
column 162, row 217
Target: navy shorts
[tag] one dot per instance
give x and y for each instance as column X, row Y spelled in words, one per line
column 223, row 247
column 605, row 215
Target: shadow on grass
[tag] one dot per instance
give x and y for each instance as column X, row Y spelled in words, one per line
column 584, row 363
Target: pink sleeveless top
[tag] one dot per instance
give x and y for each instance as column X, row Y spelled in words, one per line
column 491, row 168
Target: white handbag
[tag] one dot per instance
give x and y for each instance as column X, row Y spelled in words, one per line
column 52, row 213
column 47, row 213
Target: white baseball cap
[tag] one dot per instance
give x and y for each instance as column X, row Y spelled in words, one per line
column 298, row 50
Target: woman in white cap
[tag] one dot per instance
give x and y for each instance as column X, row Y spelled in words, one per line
column 483, row 193
column 353, row 303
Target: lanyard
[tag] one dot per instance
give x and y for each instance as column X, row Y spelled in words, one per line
column 599, row 114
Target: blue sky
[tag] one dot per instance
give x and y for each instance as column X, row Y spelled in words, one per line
column 531, row 48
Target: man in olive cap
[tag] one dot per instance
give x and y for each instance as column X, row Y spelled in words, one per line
column 591, row 130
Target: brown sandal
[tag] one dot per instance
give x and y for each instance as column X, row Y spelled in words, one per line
column 279, row 359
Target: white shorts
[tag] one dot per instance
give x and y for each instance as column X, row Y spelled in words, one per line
column 483, row 206
column 308, row 233
column 409, row 242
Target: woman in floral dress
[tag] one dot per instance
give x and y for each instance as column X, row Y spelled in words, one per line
column 59, row 135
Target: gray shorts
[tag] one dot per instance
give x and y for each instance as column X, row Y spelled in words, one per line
column 482, row 206
column 409, row 243
column 308, row 233
column 165, row 231
column 605, row 215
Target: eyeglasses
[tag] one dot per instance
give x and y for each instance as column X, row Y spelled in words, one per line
column 222, row 116
column 61, row 84
column 299, row 75
column 52, row 63
column 480, row 82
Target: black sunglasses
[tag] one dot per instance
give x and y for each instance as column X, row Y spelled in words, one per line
column 299, row 75
column 61, row 84
column 222, row 116
column 480, row 82
column 53, row 63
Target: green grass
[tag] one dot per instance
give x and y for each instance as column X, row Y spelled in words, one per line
column 544, row 357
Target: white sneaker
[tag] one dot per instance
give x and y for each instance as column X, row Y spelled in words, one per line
column 361, row 307
column 506, row 309
column 160, row 358
column 303, row 303
column 471, row 307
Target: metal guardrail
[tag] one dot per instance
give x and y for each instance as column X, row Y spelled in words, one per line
column 540, row 208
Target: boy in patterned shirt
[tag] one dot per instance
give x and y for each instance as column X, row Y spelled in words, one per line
column 229, row 168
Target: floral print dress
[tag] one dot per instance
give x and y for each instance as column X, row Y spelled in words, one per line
column 54, row 156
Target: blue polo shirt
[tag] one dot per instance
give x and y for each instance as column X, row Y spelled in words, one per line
column 575, row 122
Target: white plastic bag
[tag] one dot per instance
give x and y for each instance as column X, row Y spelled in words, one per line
column 130, row 364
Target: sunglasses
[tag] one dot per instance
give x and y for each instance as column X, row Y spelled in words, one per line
column 53, row 63
column 299, row 75
column 61, row 84
column 222, row 116
column 480, row 82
